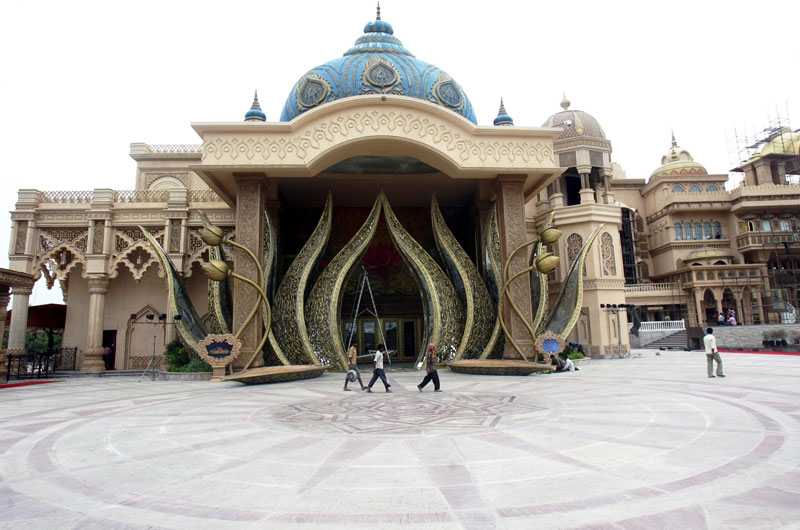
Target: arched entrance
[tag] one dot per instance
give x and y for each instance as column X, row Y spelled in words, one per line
column 709, row 306
column 729, row 304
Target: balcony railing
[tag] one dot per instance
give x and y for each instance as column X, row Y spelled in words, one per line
column 764, row 239
column 67, row 197
column 141, row 196
column 649, row 287
column 174, row 148
column 204, row 196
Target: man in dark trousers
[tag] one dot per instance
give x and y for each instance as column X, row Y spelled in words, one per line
column 430, row 368
column 377, row 370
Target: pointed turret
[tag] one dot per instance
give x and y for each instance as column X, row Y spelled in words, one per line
column 502, row 116
column 255, row 113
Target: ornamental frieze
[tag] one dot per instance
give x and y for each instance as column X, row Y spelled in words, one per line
column 305, row 144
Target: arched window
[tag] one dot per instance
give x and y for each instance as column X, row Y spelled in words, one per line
column 751, row 226
column 713, row 187
column 677, row 189
column 698, row 231
column 687, row 230
column 766, row 225
column 695, row 188
column 707, row 230
column 678, row 231
column 717, row 230
column 785, row 225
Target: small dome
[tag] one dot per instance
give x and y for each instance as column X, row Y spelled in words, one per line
column 502, row 116
column 255, row 113
column 706, row 253
column 575, row 123
column 377, row 63
column 678, row 161
column 782, row 142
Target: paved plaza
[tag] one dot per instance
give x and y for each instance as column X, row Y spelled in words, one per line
column 643, row 443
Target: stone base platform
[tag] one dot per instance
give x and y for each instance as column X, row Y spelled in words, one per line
column 498, row 367
column 276, row 374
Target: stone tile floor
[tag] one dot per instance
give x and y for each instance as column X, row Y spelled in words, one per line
column 643, row 443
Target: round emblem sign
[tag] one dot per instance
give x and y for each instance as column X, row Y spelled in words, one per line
column 381, row 75
column 448, row 94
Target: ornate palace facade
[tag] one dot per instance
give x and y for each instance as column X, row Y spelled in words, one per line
column 377, row 122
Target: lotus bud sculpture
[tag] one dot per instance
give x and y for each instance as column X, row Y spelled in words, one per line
column 212, row 235
column 216, row 270
column 546, row 262
column 550, row 236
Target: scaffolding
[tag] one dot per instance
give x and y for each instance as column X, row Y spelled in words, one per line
column 744, row 142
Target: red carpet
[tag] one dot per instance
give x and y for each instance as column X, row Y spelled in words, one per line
column 26, row 383
column 762, row 352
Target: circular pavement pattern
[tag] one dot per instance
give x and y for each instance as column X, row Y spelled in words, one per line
column 644, row 443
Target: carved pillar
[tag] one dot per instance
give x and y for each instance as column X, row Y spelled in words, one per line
column 4, row 297
column 93, row 358
column 511, row 220
column 250, row 203
column 608, row 195
column 19, row 317
column 699, row 304
column 587, row 193
column 760, row 304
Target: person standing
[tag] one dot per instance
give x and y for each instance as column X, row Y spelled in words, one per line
column 377, row 370
column 430, row 367
column 352, row 361
column 712, row 354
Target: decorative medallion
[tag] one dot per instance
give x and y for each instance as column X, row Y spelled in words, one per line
column 311, row 91
column 381, row 76
column 549, row 343
column 219, row 350
column 447, row 92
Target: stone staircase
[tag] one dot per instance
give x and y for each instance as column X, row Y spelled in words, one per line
column 676, row 341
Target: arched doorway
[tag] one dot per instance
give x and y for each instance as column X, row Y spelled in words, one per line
column 729, row 304
column 709, row 306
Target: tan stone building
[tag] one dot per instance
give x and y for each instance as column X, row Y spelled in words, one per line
column 677, row 244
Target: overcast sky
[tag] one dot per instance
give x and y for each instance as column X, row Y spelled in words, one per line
column 82, row 80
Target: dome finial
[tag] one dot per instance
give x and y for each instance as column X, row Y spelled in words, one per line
column 565, row 103
column 378, row 16
column 674, row 143
column 502, row 116
column 255, row 113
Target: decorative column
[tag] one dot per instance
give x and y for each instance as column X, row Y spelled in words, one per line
column 513, row 233
column 250, row 204
column 93, row 357
column 608, row 195
column 19, row 318
column 699, row 304
column 587, row 193
column 4, row 297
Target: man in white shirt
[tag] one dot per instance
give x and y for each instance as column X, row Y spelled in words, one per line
column 712, row 354
column 377, row 370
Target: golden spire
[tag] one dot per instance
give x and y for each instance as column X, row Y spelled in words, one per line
column 565, row 103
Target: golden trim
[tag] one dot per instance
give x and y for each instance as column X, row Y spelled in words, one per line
column 473, row 294
column 270, row 243
column 541, row 308
column 574, row 281
column 172, row 280
column 288, row 321
column 324, row 306
column 491, row 253
column 442, row 310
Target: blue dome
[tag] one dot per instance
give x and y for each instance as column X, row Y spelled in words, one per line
column 377, row 63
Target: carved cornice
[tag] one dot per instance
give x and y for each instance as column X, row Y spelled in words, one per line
column 448, row 139
column 16, row 279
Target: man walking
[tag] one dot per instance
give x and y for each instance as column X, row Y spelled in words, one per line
column 352, row 360
column 712, row 354
column 377, row 370
column 430, row 368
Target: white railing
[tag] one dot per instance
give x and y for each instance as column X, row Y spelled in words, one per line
column 141, row 195
column 175, row 148
column 644, row 287
column 663, row 325
column 66, row 197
